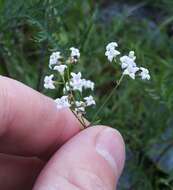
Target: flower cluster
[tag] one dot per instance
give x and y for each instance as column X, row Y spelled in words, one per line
column 73, row 85
column 111, row 51
column 75, row 90
column 127, row 62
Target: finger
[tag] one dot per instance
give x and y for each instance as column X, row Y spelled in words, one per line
column 18, row 172
column 30, row 123
column 93, row 159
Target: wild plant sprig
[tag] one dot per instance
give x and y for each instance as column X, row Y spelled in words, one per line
column 108, row 98
column 128, row 66
column 73, row 84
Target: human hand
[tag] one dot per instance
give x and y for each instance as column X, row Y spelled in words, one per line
column 43, row 149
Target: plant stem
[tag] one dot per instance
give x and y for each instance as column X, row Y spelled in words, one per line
column 108, row 98
column 80, row 120
column 77, row 117
column 41, row 66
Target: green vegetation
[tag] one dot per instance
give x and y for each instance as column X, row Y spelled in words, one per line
column 142, row 111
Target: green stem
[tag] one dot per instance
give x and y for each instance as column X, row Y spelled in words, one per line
column 107, row 99
column 82, row 122
column 68, row 73
column 63, row 79
column 77, row 117
column 56, row 82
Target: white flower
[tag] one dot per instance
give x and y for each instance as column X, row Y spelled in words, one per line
column 132, row 55
column 76, row 82
column 54, row 59
column 144, row 73
column 80, row 106
column 111, row 45
column 80, row 109
column 88, row 84
column 127, row 61
column 130, row 68
column 76, row 76
column 75, row 54
column 89, row 100
column 131, row 71
column 60, row 68
column 79, row 103
column 62, row 102
column 111, row 52
column 48, row 82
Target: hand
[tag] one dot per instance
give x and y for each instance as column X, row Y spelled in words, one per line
column 42, row 148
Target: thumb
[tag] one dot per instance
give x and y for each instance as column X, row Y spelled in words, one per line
column 93, row 159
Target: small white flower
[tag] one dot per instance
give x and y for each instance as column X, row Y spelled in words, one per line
column 132, row 55
column 144, row 73
column 89, row 100
column 62, row 102
column 111, row 52
column 131, row 71
column 48, row 82
column 80, row 106
column 127, row 61
column 111, row 45
column 76, row 76
column 76, row 82
column 79, row 103
column 80, row 109
column 54, row 59
column 75, row 54
column 87, row 84
column 60, row 68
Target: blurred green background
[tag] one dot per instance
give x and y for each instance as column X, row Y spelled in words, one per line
column 142, row 111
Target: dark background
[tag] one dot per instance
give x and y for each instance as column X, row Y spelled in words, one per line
column 143, row 111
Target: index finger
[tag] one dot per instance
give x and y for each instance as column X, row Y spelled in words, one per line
column 30, row 124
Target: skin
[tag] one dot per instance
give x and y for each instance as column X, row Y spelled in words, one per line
column 42, row 148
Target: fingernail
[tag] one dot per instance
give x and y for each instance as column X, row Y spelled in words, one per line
column 109, row 145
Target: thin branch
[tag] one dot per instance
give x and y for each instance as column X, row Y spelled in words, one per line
column 41, row 67
column 77, row 117
column 107, row 99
